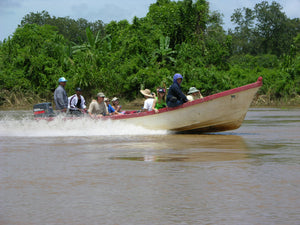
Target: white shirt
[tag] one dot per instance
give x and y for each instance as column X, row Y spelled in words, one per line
column 190, row 98
column 72, row 102
column 148, row 104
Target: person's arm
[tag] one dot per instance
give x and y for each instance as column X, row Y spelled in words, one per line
column 154, row 104
column 105, row 113
column 91, row 109
column 114, row 112
column 111, row 110
column 60, row 100
column 144, row 109
column 65, row 100
column 72, row 102
column 83, row 105
column 181, row 95
column 119, row 108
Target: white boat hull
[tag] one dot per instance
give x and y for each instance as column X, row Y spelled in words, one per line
column 219, row 112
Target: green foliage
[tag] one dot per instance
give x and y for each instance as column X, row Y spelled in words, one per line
column 120, row 58
column 72, row 30
column 263, row 30
column 34, row 56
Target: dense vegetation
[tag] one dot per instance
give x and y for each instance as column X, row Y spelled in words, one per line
column 120, row 58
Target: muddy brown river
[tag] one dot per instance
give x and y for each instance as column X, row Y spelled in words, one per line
column 105, row 172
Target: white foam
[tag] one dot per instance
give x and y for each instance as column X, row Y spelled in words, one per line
column 76, row 127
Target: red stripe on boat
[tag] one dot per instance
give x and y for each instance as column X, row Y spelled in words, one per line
column 39, row 112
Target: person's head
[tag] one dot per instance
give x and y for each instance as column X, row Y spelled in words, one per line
column 161, row 92
column 100, row 97
column 177, row 78
column 106, row 100
column 62, row 81
column 78, row 91
column 115, row 101
column 147, row 93
column 193, row 91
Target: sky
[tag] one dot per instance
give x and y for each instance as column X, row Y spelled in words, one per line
column 12, row 11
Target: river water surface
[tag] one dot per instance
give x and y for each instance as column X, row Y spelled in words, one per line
column 105, row 172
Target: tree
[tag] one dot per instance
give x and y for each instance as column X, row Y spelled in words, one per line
column 39, row 18
column 164, row 53
column 272, row 28
column 263, row 30
column 36, row 56
column 182, row 21
column 243, row 35
column 72, row 30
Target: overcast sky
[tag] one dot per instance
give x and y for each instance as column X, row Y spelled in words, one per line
column 12, row 11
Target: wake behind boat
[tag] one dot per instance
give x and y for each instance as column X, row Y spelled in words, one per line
column 218, row 112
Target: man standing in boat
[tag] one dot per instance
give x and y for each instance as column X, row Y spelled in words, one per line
column 175, row 96
column 60, row 96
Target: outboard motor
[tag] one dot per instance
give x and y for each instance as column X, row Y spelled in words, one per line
column 43, row 110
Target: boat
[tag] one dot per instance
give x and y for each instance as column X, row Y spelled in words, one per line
column 214, row 113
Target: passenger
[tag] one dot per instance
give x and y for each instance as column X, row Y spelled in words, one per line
column 98, row 107
column 111, row 110
column 148, row 103
column 60, row 96
column 160, row 100
column 77, row 103
column 194, row 94
column 175, row 96
column 115, row 104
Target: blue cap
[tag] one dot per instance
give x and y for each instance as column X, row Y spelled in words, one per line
column 62, row 79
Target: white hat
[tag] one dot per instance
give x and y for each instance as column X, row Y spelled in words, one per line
column 114, row 99
column 101, row 95
column 193, row 90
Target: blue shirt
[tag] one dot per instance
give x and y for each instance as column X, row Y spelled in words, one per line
column 110, row 109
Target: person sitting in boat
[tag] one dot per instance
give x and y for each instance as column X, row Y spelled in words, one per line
column 76, row 103
column 160, row 100
column 111, row 110
column 60, row 96
column 193, row 94
column 148, row 103
column 175, row 96
column 98, row 107
column 115, row 104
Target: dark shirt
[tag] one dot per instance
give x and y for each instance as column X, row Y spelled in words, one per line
column 78, row 105
column 175, row 91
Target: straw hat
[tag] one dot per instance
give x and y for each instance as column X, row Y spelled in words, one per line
column 193, row 90
column 146, row 93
